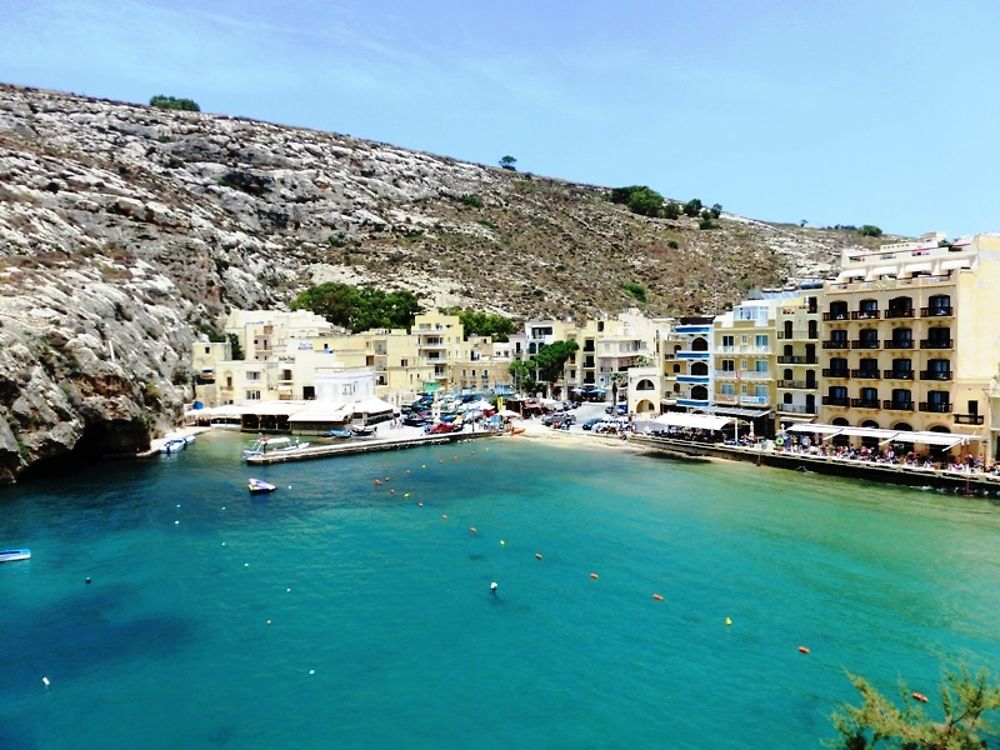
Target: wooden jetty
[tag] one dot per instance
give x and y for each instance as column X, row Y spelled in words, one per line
column 355, row 447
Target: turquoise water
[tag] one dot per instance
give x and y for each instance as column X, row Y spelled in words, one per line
column 389, row 637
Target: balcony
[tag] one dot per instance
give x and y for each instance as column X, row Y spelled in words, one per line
column 935, row 407
column 897, row 374
column 903, row 312
column 864, row 403
column 800, row 334
column 836, row 372
column 866, row 344
column 796, row 384
column 898, row 344
column 797, row 360
column 836, row 344
column 755, row 400
column 865, row 315
column 796, row 409
column 835, row 315
column 836, row 401
column 940, row 311
column 865, row 374
column 691, row 354
column 937, row 343
column 898, row 405
column 968, row 418
column 700, row 379
column 935, row 374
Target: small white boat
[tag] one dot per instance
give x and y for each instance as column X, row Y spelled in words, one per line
column 10, row 555
column 259, row 486
column 173, row 445
column 188, row 439
column 268, row 446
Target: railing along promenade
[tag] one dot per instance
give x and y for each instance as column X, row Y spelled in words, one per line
column 765, row 453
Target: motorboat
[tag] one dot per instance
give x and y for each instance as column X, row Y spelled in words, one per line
column 268, row 446
column 259, row 486
column 174, row 445
column 188, row 439
column 10, row 555
column 340, row 432
column 363, row 432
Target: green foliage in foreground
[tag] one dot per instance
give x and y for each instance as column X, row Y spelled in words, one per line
column 523, row 375
column 878, row 722
column 359, row 309
column 478, row 323
column 169, row 102
column 635, row 290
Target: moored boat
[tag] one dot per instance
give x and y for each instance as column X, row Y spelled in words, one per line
column 10, row 555
column 363, row 432
column 340, row 432
column 259, row 486
column 174, row 445
column 266, row 446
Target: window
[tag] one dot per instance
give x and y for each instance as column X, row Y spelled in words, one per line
column 208, row 350
column 253, row 395
column 787, row 398
column 761, row 341
column 760, row 391
column 727, row 389
column 869, row 395
column 253, row 375
column 760, row 366
column 404, row 363
column 729, row 341
column 728, row 365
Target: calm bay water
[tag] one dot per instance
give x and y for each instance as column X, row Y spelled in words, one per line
column 383, row 631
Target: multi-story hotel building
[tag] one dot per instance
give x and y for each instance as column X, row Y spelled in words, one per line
column 909, row 339
column 797, row 360
column 692, row 363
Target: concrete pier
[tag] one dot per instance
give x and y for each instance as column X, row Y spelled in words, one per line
column 356, row 446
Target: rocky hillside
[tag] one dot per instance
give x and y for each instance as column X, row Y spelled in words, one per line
column 127, row 231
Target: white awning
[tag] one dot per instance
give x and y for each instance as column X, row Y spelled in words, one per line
column 943, row 439
column 323, row 412
column 693, row 421
column 855, row 273
column 952, row 265
column 918, row 268
column 371, row 406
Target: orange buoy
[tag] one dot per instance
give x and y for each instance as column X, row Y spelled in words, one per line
column 594, row 576
column 378, row 482
column 920, row 697
column 538, row 555
column 658, row 597
column 803, row 650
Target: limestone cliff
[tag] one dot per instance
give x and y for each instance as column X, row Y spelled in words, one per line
column 127, row 231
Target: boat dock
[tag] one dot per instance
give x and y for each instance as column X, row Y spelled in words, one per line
column 956, row 481
column 355, row 447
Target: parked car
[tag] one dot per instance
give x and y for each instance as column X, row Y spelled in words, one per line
column 620, row 410
column 589, row 424
column 414, row 420
column 442, row 428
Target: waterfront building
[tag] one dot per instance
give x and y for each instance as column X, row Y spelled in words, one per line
column 797, row 360
column 908, row 337
column 694, row 346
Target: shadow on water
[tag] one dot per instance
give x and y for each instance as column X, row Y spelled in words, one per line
column 80, row 634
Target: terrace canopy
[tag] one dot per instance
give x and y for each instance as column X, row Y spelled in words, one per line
column 942, row 439
column 693, row 421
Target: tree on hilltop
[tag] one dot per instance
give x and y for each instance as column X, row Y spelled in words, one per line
column 870, row 230
column 693, row 207
column 508, row 162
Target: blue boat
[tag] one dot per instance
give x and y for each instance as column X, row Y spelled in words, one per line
column 340, row 432
column 10, row 555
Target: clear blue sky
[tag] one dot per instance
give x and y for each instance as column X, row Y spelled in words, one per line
column 835, row 112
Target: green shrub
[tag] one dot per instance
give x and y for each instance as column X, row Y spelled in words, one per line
column 635, row 290
column 471, row 200
column 170, row 102
column 673, row 244
column 870, row 230
column 692, row 207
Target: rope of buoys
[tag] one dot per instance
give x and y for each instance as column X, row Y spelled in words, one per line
column 920, row 697
column 803, row 650
column 658, row 597
column 594, row 576
column 420, row 503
